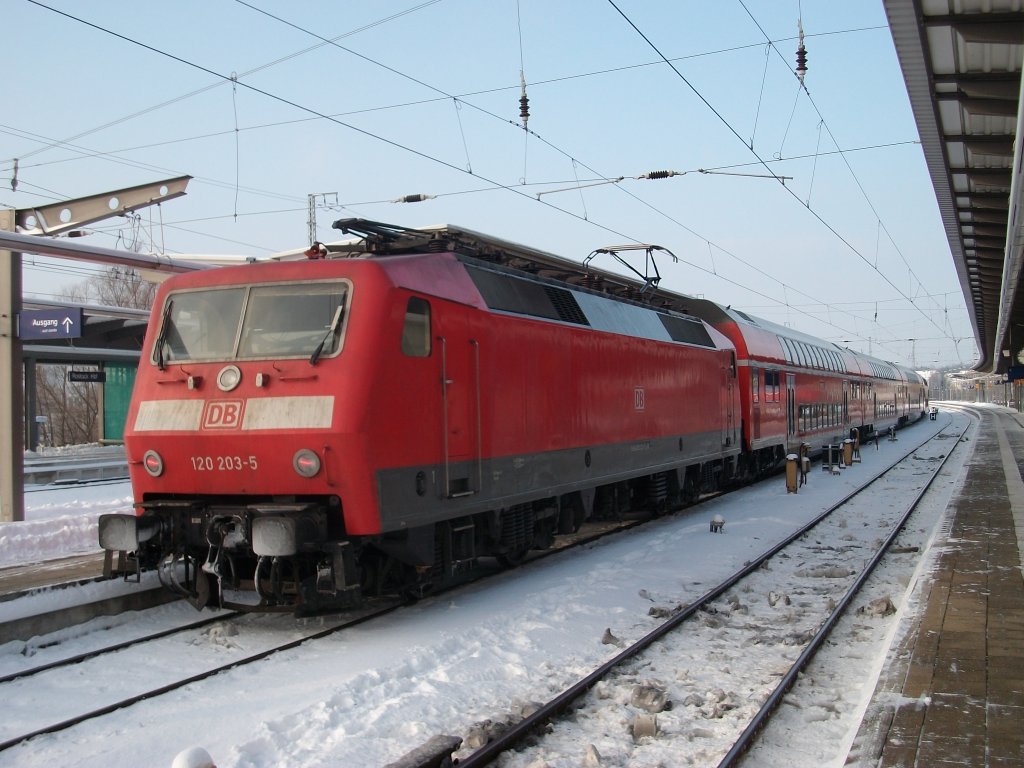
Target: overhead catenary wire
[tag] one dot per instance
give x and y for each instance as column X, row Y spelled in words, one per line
column 234, row 109
column 760, row 95
column 655, row 175
column 309, row 110
column 182, row 97
column 51, row 143
column 190, row 94
column 332, row 41
column 465, row 145
column 524, row 101
column 395, row 144
column 109, row 154
column 87, row 153
column 573, row 159
column 824, row 123
column 764, row 164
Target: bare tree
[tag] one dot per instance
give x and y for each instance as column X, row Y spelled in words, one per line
column 114, row 287
column 72, row 410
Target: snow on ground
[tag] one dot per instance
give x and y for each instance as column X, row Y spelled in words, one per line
column 60, row 521
column 371, row 693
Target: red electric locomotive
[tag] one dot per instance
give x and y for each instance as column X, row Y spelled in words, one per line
column 302, row 432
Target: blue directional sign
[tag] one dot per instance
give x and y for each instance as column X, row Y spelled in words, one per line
column 36, row 324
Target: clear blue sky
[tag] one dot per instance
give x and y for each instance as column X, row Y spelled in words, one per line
column 421, row 97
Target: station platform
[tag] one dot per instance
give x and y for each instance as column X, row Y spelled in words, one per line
column 952, row 690
column 19, row 579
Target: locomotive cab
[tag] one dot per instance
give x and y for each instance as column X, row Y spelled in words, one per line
column 228, row 444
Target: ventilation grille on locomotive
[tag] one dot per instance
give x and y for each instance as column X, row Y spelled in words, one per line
column 511, row 293
column 686, row 330
column 566, row 306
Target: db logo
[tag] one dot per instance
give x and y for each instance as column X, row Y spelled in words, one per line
column 639, row 399
column 223, row 414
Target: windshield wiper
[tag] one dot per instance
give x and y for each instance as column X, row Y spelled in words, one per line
column 162, row 338
column 330, row 332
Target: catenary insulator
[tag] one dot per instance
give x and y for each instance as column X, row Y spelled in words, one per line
column 524, row 103
column 801, row 52
column 413, row 198
column 801, row 61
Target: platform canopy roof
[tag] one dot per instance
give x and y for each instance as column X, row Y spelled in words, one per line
column 961, row 60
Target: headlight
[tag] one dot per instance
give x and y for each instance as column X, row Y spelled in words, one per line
column 153, row 463
column 229, row 378
column 306, row 462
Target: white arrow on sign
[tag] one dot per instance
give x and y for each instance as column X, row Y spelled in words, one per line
column 67, row 322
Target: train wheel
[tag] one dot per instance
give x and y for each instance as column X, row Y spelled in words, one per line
column 513, row 558
column 544, row 533
column 689, row 491
column 572, row 514
column 416, row 585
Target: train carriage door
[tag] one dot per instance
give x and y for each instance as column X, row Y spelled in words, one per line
column 755, row 400
column 459, row 354
column 790, row 406
column 729, row 416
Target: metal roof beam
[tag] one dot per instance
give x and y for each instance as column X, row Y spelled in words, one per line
column 65, row 216
column 979, row 138
column 993, row 107
column 959, row 78
column 992, row 28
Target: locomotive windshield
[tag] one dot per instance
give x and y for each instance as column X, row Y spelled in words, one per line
column 253, row 322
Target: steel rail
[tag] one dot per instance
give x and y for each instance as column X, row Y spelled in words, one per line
column 105, row 710
column 79, row 658
column 774, row 700
column 135, row 699
column 502, row 743
column 567, row 699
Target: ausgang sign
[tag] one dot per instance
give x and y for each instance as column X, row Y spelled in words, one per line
column 36, row 324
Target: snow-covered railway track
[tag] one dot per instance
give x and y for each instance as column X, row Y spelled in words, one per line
column 449, row 662
column 30, row 671
column 803, row 577
column 230, row 630
column 140, row 663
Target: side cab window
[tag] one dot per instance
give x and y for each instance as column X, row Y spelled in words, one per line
column 416, row 329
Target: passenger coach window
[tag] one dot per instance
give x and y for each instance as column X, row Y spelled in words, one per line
column 771, row 387
column 416, row 331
